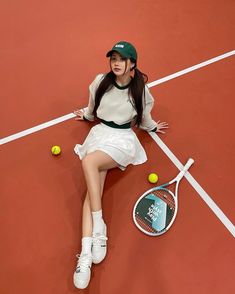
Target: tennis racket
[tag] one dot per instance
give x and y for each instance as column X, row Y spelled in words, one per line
column 155, row 211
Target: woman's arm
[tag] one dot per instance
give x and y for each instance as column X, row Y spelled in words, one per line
column 148, row 124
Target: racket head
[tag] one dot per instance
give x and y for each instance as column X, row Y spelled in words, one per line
column 155, row 211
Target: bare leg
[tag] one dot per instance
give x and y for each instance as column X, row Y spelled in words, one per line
column 86, row 216
column 93, row 164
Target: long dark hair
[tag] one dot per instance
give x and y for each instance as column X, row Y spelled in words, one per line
column 136, row 91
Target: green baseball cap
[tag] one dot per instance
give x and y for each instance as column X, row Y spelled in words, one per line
column 125, row 49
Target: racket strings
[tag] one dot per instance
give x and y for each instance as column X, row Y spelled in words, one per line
column 145, row 215
column 145, row 225
column 165, row 196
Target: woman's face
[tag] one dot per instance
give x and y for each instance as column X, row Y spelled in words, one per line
column 120, row 65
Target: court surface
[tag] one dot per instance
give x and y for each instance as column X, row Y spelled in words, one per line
column 50, row 53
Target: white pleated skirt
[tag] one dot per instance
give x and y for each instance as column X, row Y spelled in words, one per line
column 121, row 144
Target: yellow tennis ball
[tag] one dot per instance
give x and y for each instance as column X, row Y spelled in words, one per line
column 55, row 150
column 153, row 178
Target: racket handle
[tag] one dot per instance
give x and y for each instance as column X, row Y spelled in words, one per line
column 188, row 164
column 186, row 167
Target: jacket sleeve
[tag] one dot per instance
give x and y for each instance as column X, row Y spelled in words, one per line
column 148, row 124
column 88, row 111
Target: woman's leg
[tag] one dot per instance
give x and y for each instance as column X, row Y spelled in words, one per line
column 86, row 215
column 93, row 164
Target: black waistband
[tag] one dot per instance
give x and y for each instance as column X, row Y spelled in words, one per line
column 116, row 126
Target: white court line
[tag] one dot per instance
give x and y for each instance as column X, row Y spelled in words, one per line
column 218, row 212
column 71, row 115
column 192, row 68
column 213, row 206
column 36, row 128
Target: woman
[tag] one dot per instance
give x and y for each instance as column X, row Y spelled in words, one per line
column 119, row 99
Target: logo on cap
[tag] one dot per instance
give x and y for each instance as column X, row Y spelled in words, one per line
column 119, row 46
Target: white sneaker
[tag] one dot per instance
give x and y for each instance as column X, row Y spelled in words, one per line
column 82, row 274
column 99, row 246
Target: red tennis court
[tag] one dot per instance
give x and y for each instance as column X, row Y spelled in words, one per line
column 50, row 53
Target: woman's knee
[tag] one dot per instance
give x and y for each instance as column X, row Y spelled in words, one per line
column 88, row 162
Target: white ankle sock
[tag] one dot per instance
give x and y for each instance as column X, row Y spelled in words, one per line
column 86, row 245
column 98, row 222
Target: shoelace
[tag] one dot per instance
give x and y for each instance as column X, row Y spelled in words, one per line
column 99, row 240
column 84, row 262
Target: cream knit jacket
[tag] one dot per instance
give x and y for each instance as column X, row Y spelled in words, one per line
column 116, row 106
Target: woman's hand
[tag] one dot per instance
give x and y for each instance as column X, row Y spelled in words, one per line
column 161, row 126
column 79, row 113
